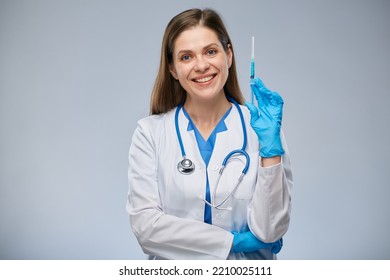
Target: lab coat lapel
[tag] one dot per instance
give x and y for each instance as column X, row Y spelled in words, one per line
column 229, row 139
column 226, row 141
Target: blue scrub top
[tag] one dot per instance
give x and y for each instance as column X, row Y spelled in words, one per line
column 206, row 150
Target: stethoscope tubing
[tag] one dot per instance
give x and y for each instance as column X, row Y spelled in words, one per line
column 183, row 169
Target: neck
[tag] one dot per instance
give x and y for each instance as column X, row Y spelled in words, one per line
column 206, row 115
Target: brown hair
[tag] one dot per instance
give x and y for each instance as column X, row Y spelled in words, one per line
column 167, row 92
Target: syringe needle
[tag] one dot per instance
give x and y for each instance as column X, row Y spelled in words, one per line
column 253, row 48
column 252, row 74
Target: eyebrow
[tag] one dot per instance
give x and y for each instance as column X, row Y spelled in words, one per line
column 204, row 48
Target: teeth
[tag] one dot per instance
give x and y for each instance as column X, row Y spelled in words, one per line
column 203, row 80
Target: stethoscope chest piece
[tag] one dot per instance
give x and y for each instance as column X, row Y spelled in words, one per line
column 186, row 166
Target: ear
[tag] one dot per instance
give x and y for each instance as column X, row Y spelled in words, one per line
column 229, row 53
column 173, row 71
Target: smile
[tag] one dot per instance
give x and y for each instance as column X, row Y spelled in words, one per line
column 204, row 79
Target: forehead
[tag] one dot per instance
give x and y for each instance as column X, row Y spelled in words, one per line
column 195, row 38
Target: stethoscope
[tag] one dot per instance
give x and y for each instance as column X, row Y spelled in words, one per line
column 186, row 166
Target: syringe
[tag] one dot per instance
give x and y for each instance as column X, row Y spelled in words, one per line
column 252, row 76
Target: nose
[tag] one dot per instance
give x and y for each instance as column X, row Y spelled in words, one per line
column 201, row 65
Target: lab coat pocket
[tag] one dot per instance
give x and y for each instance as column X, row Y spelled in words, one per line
column 182, row 194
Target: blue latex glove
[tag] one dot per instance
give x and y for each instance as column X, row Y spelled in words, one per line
column 267, row 124
column 246, row 242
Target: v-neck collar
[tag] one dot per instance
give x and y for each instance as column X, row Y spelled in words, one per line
column 220, row 127
column 206, row 147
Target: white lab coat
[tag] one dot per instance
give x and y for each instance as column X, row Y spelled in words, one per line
column 166, row 212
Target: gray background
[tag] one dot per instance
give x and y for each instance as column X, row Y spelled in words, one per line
column 75, row 76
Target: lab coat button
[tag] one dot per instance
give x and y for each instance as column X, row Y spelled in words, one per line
column 219, row 216
column 215, row 167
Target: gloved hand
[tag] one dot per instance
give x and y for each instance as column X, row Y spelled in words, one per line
column 247, row 242
column 267, row 124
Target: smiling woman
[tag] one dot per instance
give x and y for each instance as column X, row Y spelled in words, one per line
column 199, row 187
column 167, row 92
column 201, row 66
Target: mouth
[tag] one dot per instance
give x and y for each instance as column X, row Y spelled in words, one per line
column 204, row 79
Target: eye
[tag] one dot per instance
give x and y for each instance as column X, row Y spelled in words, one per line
column 185, row 57
column 211, row 52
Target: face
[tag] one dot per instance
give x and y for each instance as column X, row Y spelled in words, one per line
column 200, row 63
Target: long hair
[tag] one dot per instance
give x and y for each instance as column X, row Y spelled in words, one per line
column 167, row 92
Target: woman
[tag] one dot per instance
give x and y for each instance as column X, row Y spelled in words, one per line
column 180, row 205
